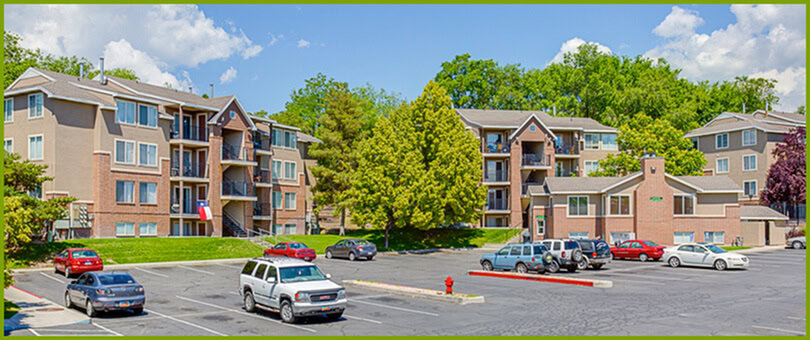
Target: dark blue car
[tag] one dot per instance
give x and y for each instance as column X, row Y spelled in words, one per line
column 105, row 291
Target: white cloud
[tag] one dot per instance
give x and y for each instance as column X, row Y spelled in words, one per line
column 571, row 46
column 121, row 54
column 228, row 76
column 275, row 38
column 252, row 51
column 303, row 43
column 765, row 40
column 680, row 22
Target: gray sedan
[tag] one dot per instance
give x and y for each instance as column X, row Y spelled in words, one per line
column 105, row 291
column 352, row 248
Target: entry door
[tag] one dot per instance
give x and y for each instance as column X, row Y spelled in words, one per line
column 187, row 230
column 201, row 125
column 188, row 167
column 202, row 161
column 188, row 201
column 186, row 127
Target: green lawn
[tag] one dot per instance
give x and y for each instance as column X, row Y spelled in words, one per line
column 730, row 248
column 409, row 239
column 138, row 250
column 9, row 309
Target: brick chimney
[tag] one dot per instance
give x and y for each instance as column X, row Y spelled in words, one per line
column 652, row 166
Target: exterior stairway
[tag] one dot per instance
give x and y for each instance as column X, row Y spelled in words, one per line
column 230, row 223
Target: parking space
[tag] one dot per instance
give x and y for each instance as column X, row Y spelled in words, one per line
column 646, row 299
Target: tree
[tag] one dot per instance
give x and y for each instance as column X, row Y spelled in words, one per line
column 646, row 135
column 801, row 110
column 341, row 129
column 787, row 176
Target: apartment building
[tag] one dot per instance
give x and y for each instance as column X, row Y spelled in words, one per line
column 740, row 146
column 649, row 204
column 523, row 148
column 140, row 158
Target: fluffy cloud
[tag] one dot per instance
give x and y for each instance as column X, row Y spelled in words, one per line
column 571, row 46
column 228, row 76
column 303, row 43
column 766, row 40
column 121, row 54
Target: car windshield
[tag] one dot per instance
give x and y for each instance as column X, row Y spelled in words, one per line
column 83, row 254
column 715, row 249
column 302, row 273
column 650, row 244
column 298, row 246
column 115, row 279
column 363, row 242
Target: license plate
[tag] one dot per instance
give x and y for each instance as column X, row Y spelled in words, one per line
column 88, row 263
column 325, row 297
column 123, row 304
column 323, row 309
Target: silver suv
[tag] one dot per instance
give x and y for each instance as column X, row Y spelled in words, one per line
column 567, row 254
column 292, row 287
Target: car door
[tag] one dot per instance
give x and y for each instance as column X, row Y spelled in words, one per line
column 261, row 291
column 73, row 288
column 635, row 249
column 527, row 254
column 687, row 254
column 501, row 258
column 340, row 249
column 271, row 280
column 349, row 247
column 514, row 255
column 621, row 249
column 703, row 256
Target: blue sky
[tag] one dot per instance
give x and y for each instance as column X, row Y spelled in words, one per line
column 272, row 49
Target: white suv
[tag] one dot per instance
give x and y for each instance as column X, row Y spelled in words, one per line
column 294, row 288
column 567, row 253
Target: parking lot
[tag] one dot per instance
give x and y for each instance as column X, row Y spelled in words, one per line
column 646, row 299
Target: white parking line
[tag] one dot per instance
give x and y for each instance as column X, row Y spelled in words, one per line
column 795, row 318
column 396, row 308
column 662, row 277
column 368, row 296
column 244, row 313
column 779, row 330
column 52, row 277
column 186, row 323
column 196, row 270
column 363, row 319
column 33, row 331
column 229, row 266
column 151, row 272
column 70, row 330
column 106, row 329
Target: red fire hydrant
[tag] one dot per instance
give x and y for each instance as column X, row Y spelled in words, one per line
column 449, row 284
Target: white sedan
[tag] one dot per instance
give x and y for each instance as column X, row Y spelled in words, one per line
column 703, row 255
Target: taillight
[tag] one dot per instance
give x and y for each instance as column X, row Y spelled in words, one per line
column 594, row 254
column 139, row 289
column 103, row 291
column 359, row 248
column 532, row 258
column 563, row 253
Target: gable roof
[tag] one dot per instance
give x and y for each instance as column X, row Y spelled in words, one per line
column 305, row 138
column 529, row 119
column 585, row 185
column 232, row 98
column 514, row 119
column 743, row 121
column 759, row 212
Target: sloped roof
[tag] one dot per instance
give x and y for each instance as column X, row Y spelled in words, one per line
column 759, row 212
column 743, row 121
column 305, row 138
column 582, row 184
column 537, row 190
column 710, row 183
column 514, row 118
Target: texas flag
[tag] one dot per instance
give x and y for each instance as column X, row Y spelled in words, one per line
column 204, row 210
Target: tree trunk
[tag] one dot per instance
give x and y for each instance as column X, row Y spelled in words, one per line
column 387, row 226
column 342, row 221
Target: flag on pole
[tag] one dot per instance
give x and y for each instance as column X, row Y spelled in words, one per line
column 204, row 210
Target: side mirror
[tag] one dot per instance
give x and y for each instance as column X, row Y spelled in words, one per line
column 328, row 276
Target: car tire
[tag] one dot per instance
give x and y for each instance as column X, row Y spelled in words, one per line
column 572, row 269
column 487, row 266
column 582, row 265
column 720, row 265
column 656, row 259
column 286, row 312
column 643, row 257
column 88, row 308
column 370, row 258
column 797, row 245
column 67, row 272
column 68, row 303
column 248, row 302
column 674, row 262
column 554, row 266
column 328, row 254
column 521, row 268
column 612, row 258
column 334, row 316
column 352, row 257
column 137, row 311
column 597, row 266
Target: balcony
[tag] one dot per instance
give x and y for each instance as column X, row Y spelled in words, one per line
column 263, row 147
column 497, row 206
column 188, row 208
column 189, row 173
column 566, row 150
column 235, row 155
column 262, row 178
column 496, row 178
column 238, row 191
column 535, row 161
column 192, row 136
column 262, row 211
column 496, row 149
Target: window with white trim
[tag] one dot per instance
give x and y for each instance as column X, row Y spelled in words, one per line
column 125, row 229
column 541, row 226
column 289, row 170
column 289, row 200
column 147, row 115
column 8, row 145
column 35, row 147
column 620, row 204
column 722, row 165
column 277, row 197
column 684, row 237
column 283, row 138
column 124, row 152
column 591, row 166
column 148, row 192
column 8, row 110
column 277, row 169
column 147, row 154
column 35, row 106
column 578, row 235
column 592, row 141
column 749, row 137
column 147, row 229
column 684, row 205
column 721, row 141
column 750, row 188
column 289, row 229
column 609, row 142
column 125, row 113
column 124, row 191
column 577, row 205
column 714, row 237
column 749, row 162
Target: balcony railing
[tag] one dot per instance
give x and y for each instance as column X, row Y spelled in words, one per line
column 566, row 149
column 535, row 160
column 262, row 144
column 262, row 209
column 192, row 134
column 232, row 152
column 496, row 176
column 187, row 171
column 188, row 208
column 261, row 176
column 497, row 205
column 237, row 188
column 496, row 148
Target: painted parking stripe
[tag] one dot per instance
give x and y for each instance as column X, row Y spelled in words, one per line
column 186, row 323
column 395, row 308
column 106, row 329
column 229, row 266
column 244, row 313
column 795, row 318
column 151, row 272
column 196, row 270
column 52, row 277
column 779, row 330
column 368, row 296
column 621, row 279
column 362, row 319
column 71, row 330
column 33, row 331
column 664, row 277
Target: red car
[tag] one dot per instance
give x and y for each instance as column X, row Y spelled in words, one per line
column 76, row 261
column 291, row 249
column 638, row 249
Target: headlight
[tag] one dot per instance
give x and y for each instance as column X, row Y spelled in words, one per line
column 302, row 297
column 341, row 294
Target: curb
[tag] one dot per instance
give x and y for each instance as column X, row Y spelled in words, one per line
column 12, row 324
column 544, row 278
column 760, row 249
column 146, row 264
column 414, row 292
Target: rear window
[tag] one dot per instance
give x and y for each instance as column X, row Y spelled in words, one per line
column 587, row 246
column 83, row 254
column 248, row 269
column 298, row 246
column 650, row 244
column 539, row 249
column 115, row 279
column 362, row 242
column 571, row 245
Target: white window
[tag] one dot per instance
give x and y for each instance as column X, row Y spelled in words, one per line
column 124, row 191
column 592, row 141
column 125, row 229
column 609, row 142
column 277, row 197
column 749, row 137
column 8, row 110
column 684, row 237
column 147, row 229
column 289, row 200
column 276, row 169
column 125, row 113
column 148, row 193
column 541, row 227
column 714, row 237
column 290, row 138
column 750, row 188
column 35, row 147
column 578, row 235
column 620, row 204
column 289, row 229
column 749, row 162
column 722, row 165
column 619, row 236
column 721, row 141
column 147, row 115
column 591, row 166
column 684, row 205
column 284, row 138
column 124, row 152
column 577, row 205
column 35, row 106
column 289, row 170
column 277, row 229
column 8, row 145
column 147, row 154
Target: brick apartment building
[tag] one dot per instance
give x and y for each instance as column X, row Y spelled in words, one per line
column 648, row 204
column 524, row 148
column 140, row 157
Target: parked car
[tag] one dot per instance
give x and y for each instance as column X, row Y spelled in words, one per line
column 566, row 254
column 76, row 261
column 796, row 242
column 596, row 254
column 638, row 249
column 291, row 249
column 520, row 257
column 352, row 248
column 704, row 255
column 105, row 291
column 292, row 287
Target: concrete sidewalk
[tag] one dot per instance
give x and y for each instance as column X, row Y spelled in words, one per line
column 761, row 249
column 38, row 312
